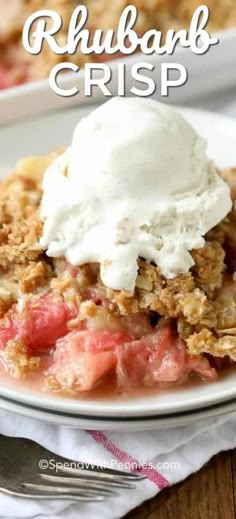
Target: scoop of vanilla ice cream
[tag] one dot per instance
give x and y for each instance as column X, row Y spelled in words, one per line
column 136, row 181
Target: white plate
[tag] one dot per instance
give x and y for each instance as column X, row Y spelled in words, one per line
column 164, row 408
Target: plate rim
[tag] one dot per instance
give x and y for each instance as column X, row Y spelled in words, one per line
column 120, row 424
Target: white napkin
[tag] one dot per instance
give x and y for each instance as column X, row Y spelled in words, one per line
column 165, row 457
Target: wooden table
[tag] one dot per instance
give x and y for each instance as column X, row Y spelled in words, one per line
column 211, row 493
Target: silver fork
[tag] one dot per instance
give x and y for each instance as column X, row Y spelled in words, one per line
column 29, row 470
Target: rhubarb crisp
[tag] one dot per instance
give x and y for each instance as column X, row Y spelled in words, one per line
column 61, row 324
column 17, row 66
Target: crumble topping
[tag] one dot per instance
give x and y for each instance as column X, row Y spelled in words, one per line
column 18, row 360
column 35, row 275
column 206, row 342
column 200, row 303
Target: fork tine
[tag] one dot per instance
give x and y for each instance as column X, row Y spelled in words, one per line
column 100, row 471
column 119, row 483
column 104, row 474
column 78, row 483
column 28, row 494
column 70, row 490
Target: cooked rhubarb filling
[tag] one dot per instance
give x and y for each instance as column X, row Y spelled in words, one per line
column 61, row 324
column 17, row 66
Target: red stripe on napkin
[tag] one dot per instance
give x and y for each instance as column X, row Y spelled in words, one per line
column 122, row 456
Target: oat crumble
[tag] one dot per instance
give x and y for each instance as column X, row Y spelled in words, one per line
column 200, row 304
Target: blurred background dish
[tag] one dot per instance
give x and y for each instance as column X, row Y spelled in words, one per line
column 17, row 66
